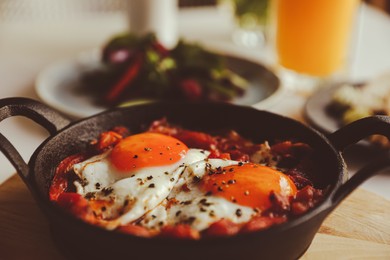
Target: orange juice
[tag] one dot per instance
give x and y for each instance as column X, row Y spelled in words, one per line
column 312, row 36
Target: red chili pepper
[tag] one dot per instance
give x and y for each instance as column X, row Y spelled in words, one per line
column 223, row 227
column 197, row 139
column 59, row 183
column 180, row 231
column 261, row 222
column 107, row 140
column 135, row 230
column 282, row 148
column 76, row 205
column 130, row 74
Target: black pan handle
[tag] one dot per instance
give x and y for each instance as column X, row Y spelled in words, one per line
column 51, row 120
column 378, row 165
column 353, row 133
column 360, row 129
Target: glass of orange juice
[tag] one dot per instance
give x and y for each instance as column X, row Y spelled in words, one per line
column 312, row 39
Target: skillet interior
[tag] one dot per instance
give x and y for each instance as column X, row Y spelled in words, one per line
column 251, row 123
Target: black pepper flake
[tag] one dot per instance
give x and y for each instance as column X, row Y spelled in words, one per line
column 231, row 170
column 84, row 182
column 223, row 182
column 203, row 210
column 196, row 179
column 202, row 151
column 209, row 193
column 212, row 213
column 233, row 147
column 151, row 185
column 231, row 181
column 147, row 149
column 190, row 220
column 187, row 202
column 177, row 143
column 90, row 195
column 135, row 156
column 240, row 164
column 220, row 188
column 178, row 213
column 107, row 191
column 246, row 193
column 166, row 173
column 126, row 202
column 154, row 216
column 172, row 179
column 161, row 153
column 204, row 202
column 103, row 209
column 150, row 177
column 238, row 213
column 97, row 186
column 170, row 159
column 160, row 223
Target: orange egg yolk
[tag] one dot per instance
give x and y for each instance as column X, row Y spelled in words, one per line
column 147, row 150
column 248, row 184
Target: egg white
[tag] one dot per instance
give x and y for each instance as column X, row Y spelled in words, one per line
column 132, row 194
column 193, row 206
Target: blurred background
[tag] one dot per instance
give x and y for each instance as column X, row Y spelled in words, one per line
column 12, row 10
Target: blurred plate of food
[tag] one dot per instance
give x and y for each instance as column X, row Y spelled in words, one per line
column 131, row 70
column 341, row 103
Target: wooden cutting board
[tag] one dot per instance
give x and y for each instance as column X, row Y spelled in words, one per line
column 358, row 228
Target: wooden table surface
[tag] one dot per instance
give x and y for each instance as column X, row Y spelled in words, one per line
column 349, row 232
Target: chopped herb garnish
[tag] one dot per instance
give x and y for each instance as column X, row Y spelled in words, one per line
column 90, row 195
column 107, row 191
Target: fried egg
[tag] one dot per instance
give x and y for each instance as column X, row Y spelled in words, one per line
column 134, row 177
column 215, row 189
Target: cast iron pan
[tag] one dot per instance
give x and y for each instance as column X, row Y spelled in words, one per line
column 78, row 240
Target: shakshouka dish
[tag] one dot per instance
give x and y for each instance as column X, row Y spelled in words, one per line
column 173, row 182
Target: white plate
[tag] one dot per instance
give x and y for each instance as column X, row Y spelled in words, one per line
column 57, row 84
